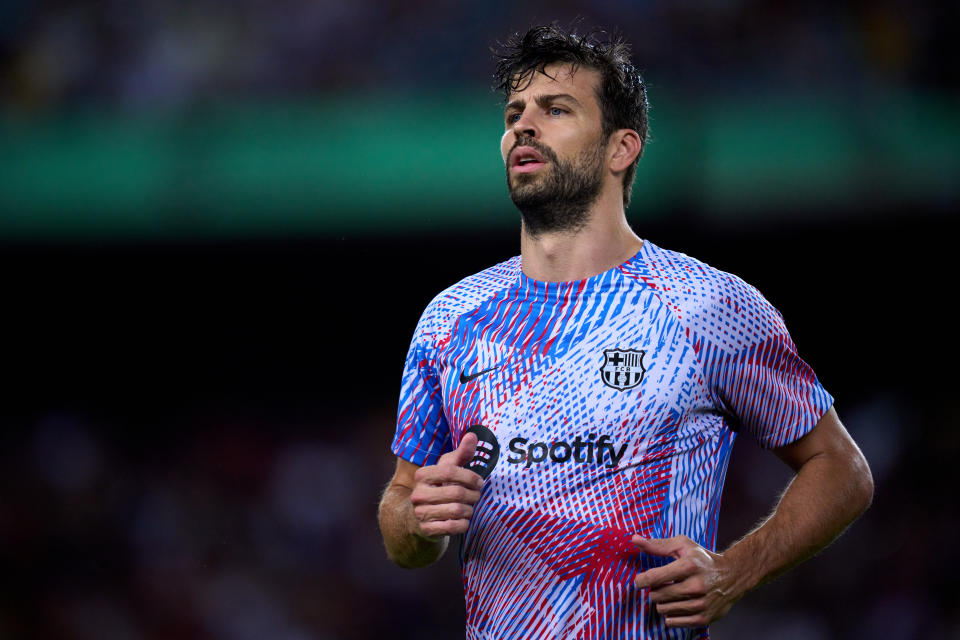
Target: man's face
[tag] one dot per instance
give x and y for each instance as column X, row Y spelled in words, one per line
column 553, row 148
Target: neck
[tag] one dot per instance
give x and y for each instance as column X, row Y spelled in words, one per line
column 603, row 243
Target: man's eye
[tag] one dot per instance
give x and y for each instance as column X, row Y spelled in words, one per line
column 513, row 117
column 556, row 111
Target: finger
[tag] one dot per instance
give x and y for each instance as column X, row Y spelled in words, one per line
column 658, row 546
column 444, row 527
column 686, row 589
column 444, row 474
column 463, row 454
column 699, row 620
column 436, row 512
column 659, row 576
column 445, row 494
column 681, row 608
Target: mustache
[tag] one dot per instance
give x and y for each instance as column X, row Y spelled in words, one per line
column 533, row 143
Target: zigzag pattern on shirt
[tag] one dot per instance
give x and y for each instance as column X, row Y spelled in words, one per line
column 548, row 554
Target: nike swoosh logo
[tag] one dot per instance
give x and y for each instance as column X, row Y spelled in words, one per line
column 464, row 378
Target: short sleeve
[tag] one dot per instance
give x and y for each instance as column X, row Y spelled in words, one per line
column 422, row 434
column 756, row 374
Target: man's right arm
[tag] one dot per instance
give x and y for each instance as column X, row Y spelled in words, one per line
column 422, row 506
column 406, row 546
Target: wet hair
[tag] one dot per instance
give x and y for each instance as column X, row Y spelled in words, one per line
column 621, row 95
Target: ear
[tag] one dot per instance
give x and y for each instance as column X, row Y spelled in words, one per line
column 624, row 146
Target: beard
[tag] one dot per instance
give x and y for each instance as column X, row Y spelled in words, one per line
column 559, row 197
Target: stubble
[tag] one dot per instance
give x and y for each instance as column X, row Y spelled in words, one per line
column 557, row 198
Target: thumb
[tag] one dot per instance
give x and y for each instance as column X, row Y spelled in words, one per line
column 464, row 453
column 655, row 546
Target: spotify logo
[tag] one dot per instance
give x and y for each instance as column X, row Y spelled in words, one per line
column 487, row 453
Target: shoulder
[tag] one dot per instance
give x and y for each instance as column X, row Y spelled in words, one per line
column 688, row 283
column 712, row 303
column 466, row 295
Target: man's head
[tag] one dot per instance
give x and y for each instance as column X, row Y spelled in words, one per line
column 542, row 62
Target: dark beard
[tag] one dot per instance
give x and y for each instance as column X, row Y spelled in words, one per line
column 561, row 199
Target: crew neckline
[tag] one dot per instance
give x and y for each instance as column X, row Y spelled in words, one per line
column 601, row 281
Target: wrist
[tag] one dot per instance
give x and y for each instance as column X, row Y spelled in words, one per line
column 414, row 549
column 745, row 565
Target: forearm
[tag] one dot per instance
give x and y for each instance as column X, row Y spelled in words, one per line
column 827, row 494
column 832, row 486
column 400, row 531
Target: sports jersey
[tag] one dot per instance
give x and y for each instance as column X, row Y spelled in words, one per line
column 604, row 407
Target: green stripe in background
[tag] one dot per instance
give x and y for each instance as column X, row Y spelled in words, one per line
column 396, row 163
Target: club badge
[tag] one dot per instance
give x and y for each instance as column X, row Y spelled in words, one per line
column 622, row 369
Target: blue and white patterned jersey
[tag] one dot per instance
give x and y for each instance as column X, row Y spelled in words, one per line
column 605, row 407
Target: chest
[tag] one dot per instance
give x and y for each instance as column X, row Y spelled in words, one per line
column 610, row 370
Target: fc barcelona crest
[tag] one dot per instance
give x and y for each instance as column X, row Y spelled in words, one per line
column 622, row 368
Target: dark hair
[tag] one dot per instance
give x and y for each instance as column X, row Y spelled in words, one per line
column 621, row 95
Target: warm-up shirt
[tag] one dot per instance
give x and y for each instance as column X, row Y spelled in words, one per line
column 605, row 407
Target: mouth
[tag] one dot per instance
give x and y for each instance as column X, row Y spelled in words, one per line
column 526, row 160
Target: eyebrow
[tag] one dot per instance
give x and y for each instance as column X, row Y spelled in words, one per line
column 542, row 101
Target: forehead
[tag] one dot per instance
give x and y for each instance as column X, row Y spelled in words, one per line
column 581, row 83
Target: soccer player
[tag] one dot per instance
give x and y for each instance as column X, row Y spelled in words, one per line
column 571, row 411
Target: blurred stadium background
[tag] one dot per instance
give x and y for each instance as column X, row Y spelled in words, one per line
column 219, row 223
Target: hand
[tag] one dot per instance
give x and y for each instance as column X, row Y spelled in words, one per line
column 444, row 493
column 695, row 589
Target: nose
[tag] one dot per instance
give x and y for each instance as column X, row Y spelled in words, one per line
column 526, row 125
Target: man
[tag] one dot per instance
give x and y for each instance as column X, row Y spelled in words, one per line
column 572, row 411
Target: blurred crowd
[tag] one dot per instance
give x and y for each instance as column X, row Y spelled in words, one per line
column 222, row 527
column 163, row 53
column 234, row 527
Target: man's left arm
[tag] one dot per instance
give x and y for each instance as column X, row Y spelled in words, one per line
column 832, row 487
